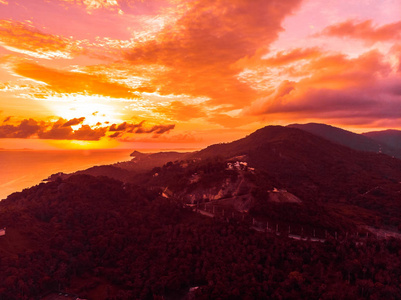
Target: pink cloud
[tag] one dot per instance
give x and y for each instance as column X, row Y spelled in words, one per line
column 362, row 89
column 365, row 30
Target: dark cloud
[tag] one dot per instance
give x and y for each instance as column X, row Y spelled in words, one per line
column 59, row 131
column 115, row 135
column 24, row 129
column 51, row 130
column 56, row 131
column 62, row 130
column 120, row 127
column 160, row 129
column 126, row 128
column 85, row 132
column 73, row 122
column 7, row 119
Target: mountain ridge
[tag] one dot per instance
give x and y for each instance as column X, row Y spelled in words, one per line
column 390, row 137
column 361, row 142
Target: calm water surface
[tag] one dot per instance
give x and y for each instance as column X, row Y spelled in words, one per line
column 22, row 169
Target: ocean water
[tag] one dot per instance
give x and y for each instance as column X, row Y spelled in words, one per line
column 23, row 169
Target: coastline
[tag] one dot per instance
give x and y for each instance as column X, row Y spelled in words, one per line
column 23, row 169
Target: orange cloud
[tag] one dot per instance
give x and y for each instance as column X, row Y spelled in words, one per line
column 365, row 30
column 26, row 39
column 281, row 58
column 179, row 111
column 202, row 47
column 73, row 82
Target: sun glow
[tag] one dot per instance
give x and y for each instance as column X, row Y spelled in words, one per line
column 160, row 71
column 75, row 144
column 96, row 110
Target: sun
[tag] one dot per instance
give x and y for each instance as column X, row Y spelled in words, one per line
column 97, row 110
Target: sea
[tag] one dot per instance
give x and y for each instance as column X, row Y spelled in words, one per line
column 22, row 169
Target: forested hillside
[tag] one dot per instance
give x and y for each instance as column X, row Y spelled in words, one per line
column 102, row 239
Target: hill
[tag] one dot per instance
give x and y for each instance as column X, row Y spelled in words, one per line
column 389, row 137
column 295, row 157
column 361, row 142
column 320, row 172
column 128, row 171
column 345, row 188
column 102, row 238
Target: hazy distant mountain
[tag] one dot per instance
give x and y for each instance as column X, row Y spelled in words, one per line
column 350, row 139
column 389, row 137
column 146, row 161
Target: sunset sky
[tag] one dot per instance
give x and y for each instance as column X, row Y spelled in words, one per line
column 172, row 74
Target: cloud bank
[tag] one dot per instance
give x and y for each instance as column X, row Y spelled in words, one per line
column 62, row 130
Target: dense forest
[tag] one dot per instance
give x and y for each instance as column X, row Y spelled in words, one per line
column 102, row 239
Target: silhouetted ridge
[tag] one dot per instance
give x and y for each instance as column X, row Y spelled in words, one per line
column 389, row 137
column 313, row 167
column 340, row 136
column 256, row 141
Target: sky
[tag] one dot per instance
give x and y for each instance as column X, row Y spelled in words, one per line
column 184, row 74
